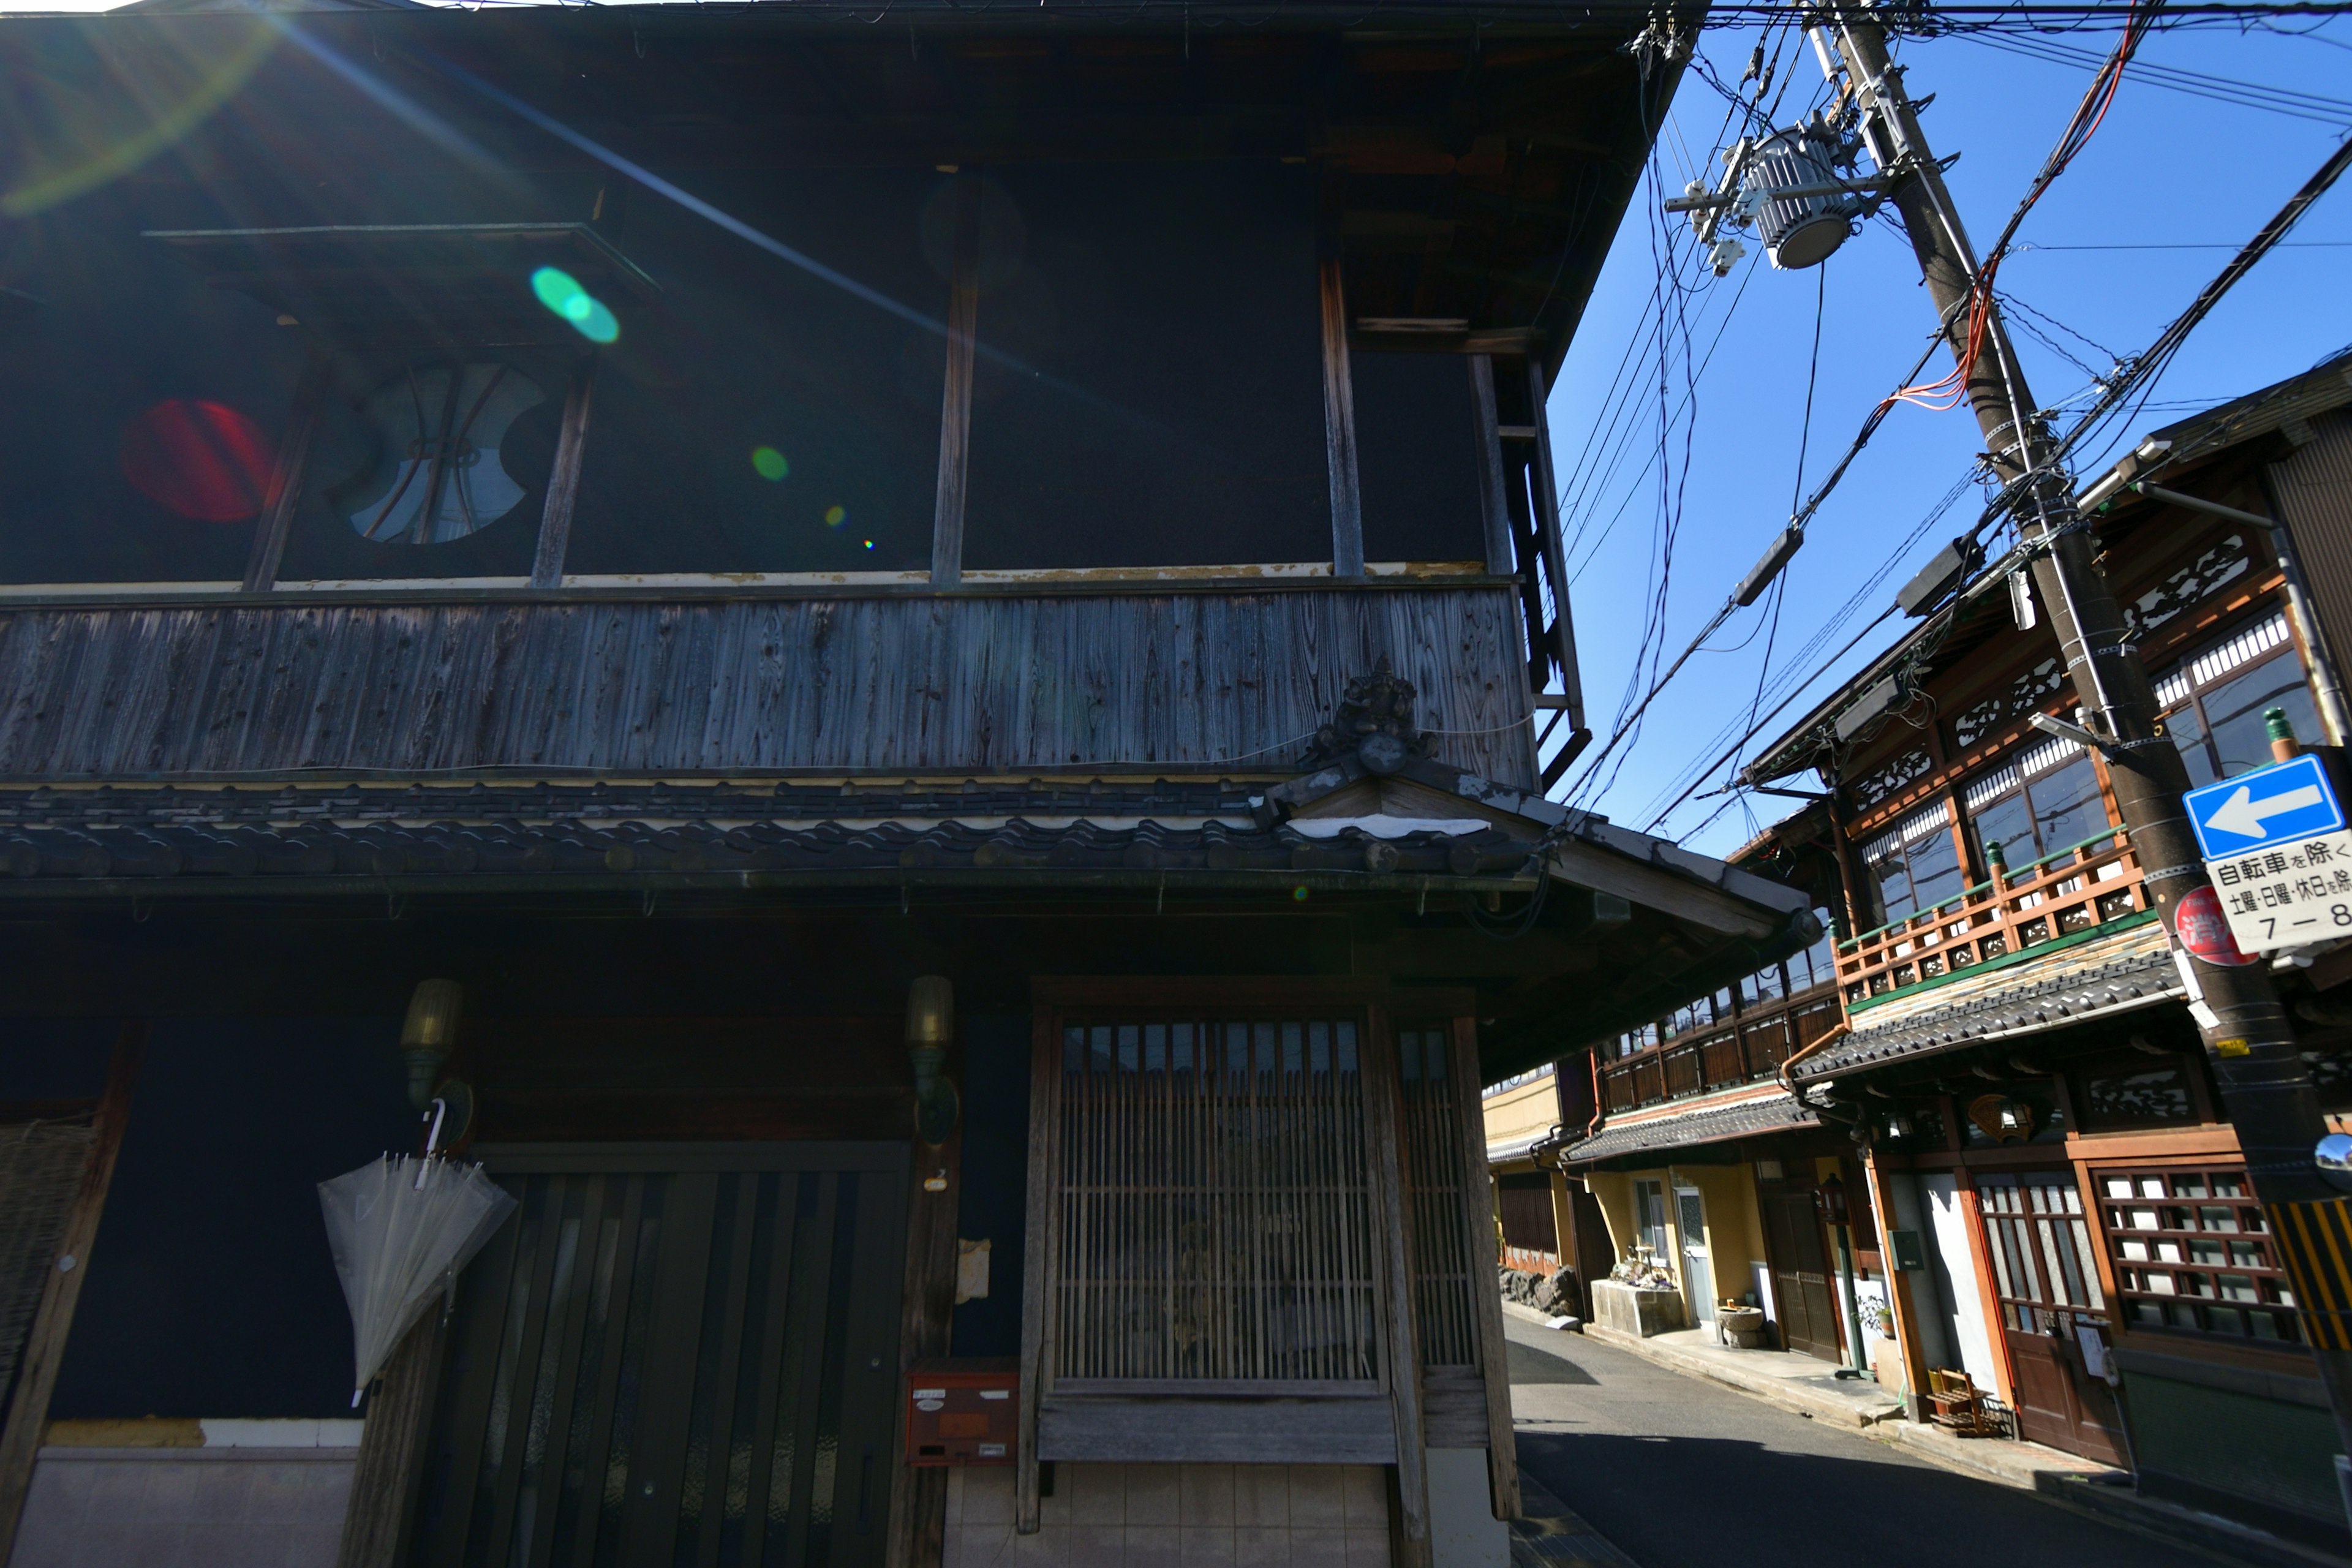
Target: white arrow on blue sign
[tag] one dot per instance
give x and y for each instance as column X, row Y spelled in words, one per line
column 2263, row 808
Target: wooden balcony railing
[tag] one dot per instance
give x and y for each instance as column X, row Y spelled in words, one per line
column 1752, row 1046
column 2076, row 890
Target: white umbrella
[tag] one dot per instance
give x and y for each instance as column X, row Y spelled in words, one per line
column 401, row 1228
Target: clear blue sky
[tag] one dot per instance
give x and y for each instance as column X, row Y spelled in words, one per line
column 2167, row 168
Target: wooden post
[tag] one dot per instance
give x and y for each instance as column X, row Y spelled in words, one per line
column 44, row 1345
column 1042, row 1237
column 564, row 476
column 384, row 1476
column 1384, row 1145
column 1340, row 428
column 919, row 1498
column 286, row 480
column 1486, row 1299
column 1555, row 557
column 955, row 400
column 1898, row 1291
column 1502, row 559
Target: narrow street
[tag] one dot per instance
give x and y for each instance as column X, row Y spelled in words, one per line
column 1681, row 1473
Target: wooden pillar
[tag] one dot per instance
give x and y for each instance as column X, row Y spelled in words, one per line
column 918, row 1498
column 1487, row 1300
column 1502, row 556
column 284, row 495
column 1989, row 1299
column 563, row 477
column 1898, row 1290
column 1043, row 1241
column 44, row 1345
column 1383, row 1144
column 955, row 400
column 1339, row 426
column 392, row 1444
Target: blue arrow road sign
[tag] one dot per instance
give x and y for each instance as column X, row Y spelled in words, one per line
column 2263, row 808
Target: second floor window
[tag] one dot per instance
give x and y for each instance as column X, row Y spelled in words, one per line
column 1916, row 865
column 2213, row 703
column 2044, row 803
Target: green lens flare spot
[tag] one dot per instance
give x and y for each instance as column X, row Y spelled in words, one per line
column 561, row 292
column 1299, row 894
column 768, row 463
column 834, row 516
column 868, row 543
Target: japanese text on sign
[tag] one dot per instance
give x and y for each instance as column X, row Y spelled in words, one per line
column 2287, row 897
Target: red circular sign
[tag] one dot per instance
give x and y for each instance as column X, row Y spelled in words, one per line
column 2204, row 930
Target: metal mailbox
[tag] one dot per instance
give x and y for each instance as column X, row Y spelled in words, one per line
column 963, row 1411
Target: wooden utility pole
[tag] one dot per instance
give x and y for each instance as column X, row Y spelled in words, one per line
column 2251, row 1045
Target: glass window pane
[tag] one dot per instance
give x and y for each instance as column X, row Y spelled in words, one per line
column 2067, row 808
column 1935, row 870
column 2188, row 732
column 1890, row 881
column 2235, row 709
column 2008, row 822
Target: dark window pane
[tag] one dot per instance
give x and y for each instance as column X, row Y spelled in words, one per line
column 2234, row 710
column 1935, row 871
column 1149, row 391
column 2067, row 807
column 2188, row 732
column 1417, row 457
column 2008, row 822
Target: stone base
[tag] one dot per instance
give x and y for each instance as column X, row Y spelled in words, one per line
column 1630, row 1310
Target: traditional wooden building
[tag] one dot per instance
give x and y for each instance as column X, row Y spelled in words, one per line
column 938, row 623
column 2039, row 1179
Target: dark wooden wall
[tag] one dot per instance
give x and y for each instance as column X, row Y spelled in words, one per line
column 978, row 684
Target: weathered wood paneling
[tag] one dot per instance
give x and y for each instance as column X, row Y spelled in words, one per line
column 984, row 683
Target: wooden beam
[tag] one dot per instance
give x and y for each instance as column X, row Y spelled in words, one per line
column 1502, row 559
column 392, row 1448
column 1655, row 888
column 44, row 1345
column 1555, row 555
column 955, row 400
column 1340, row 427
column 1384, row 1145
column 1042, row 1238
column 563, row 477
column 1486, row 1299
column 286, row 480
column 918, row 1495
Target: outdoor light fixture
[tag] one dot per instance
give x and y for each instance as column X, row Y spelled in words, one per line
column 1830, row 1196
column 930, row 1022
column 429, row 1034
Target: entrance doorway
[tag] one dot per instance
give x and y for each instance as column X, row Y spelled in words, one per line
column 1698, row 1269
column 673, row 1355
column 2047, row 1282
column 1801, row 1272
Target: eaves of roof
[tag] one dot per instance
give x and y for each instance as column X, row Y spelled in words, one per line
column 1747, row 1118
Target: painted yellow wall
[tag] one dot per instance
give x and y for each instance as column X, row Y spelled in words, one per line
column 1735, row 1230
column 1523, row 1111
column 1614, row 1190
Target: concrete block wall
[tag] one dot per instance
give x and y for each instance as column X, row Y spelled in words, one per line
column 1175, row 1516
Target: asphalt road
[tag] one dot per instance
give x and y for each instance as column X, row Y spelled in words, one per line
column 1681, row 1473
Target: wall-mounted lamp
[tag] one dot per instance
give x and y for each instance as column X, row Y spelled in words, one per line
column 930, row 1024
column 429, row 1034
column 1831, row 1197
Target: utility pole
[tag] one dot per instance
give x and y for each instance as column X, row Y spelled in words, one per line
column 2249, row 1040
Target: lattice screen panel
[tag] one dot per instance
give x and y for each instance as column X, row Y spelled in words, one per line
column 1215, row 1210
column 1433, row 1192
column 41, row 1165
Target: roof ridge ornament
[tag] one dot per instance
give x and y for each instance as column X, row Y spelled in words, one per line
column 1373, row 723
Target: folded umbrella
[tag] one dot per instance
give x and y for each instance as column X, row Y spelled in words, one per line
column 401, row 1229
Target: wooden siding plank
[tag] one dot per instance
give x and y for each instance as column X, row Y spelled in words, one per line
column 918, row 683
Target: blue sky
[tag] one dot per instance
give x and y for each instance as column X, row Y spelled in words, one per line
column 2167, row 168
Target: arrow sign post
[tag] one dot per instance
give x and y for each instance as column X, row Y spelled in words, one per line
column 2276, row 847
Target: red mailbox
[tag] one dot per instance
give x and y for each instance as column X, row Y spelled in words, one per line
column 963, row 1410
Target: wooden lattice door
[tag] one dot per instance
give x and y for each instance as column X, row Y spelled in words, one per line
column 681, row 1358
column 2047, row 1280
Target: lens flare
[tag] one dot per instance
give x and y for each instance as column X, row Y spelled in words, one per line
column 561, row 292
column 768, row 463
column 1299, row 894
column 203, row 460
column 868, row 543
column 834, row 516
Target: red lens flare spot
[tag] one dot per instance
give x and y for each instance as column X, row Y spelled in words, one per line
column 202, row 460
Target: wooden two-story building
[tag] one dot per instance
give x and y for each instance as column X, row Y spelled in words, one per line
column 761, row 542
column 2035, row 1177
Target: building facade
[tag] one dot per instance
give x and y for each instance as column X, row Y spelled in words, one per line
column 2004, row 1152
